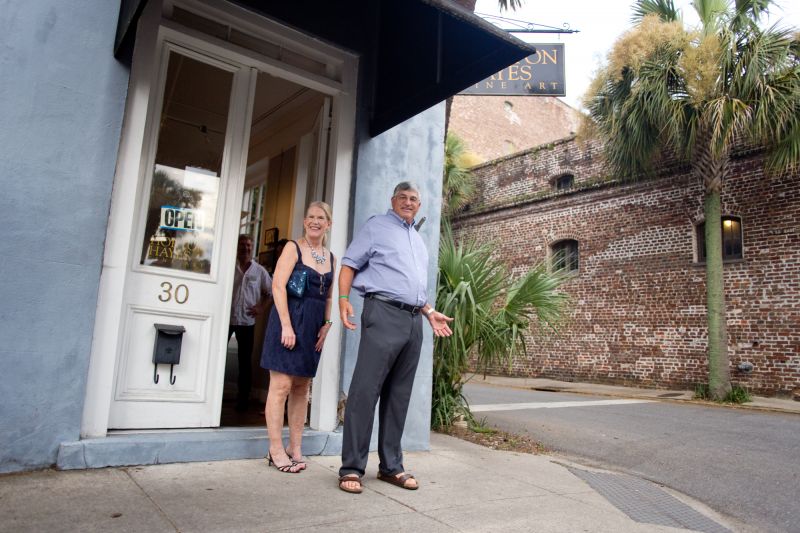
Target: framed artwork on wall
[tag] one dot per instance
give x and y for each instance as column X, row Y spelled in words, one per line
column 267, row 256
column 268, row 239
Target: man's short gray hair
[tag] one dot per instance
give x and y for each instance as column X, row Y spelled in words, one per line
column 406, row 186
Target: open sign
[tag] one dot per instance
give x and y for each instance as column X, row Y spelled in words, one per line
column 181, row 219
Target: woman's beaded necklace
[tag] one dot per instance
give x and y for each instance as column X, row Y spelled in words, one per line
column 318, row 257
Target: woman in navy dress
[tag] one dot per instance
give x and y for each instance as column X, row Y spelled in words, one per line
column 296, row 331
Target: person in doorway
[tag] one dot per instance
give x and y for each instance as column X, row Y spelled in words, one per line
column 296, row 332
column 252, row 286
column 388, row 264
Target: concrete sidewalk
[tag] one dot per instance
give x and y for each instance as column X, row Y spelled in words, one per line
column 542, row 384
column 463, row 487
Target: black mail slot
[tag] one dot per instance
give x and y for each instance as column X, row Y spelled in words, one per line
column 167, row 349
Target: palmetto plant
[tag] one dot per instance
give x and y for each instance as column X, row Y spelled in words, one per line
column 694, row 94
column 491, row 311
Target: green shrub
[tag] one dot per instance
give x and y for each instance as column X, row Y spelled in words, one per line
column 737, row 394
column 701, row 392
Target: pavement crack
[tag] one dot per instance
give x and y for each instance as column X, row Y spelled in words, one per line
column 155, row 504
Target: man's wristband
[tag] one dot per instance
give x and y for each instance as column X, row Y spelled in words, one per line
column 430, row 311
column 329, row 322
column 344, row 297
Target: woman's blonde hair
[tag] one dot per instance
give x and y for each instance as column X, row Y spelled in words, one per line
column 327, row 209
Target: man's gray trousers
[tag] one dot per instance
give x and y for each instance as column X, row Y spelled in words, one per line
column 388, row 355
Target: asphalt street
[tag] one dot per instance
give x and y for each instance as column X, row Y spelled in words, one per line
column 742, row 463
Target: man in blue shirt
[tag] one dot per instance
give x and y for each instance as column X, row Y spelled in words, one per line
column 387, row 263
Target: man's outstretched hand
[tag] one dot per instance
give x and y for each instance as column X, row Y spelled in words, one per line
column 440, row 324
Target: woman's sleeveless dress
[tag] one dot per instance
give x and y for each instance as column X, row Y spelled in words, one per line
column 307, row 315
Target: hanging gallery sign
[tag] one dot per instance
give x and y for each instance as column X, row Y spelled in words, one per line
column 540, row 74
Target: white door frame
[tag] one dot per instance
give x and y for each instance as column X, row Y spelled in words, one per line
column 309, row 185
column 121, row 247
column 195, row 401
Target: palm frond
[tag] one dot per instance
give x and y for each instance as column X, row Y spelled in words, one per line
column 786, row 153
column 664, row 9
column 506, row 5
column 747, row 13
column 712, row 13
column 458, row 185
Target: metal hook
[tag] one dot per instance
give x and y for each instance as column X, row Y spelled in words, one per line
column 171, row 377
column 155, row 374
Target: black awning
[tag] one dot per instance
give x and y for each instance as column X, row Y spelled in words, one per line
column 129, row 13
column 415, row 53
column 430, row 50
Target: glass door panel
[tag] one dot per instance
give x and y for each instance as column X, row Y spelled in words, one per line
column 180, row 221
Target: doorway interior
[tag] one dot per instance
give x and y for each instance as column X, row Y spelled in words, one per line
column 286, row 169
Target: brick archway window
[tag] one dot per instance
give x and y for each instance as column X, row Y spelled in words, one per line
column 564, row 182
column 564, row 255
column 731, row 239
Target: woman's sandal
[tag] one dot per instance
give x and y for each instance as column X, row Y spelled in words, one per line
column 301, row 464
column 286, row 469
column 354, row 478
column 399, row 480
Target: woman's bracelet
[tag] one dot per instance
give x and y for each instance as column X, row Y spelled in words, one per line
column 344, row 297
column 329, row 322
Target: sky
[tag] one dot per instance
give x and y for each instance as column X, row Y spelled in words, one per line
column 600, row 23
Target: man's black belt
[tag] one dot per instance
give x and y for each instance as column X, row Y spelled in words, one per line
column 413, row 309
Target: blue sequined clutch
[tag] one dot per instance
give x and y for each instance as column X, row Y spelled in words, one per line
column 296, row 286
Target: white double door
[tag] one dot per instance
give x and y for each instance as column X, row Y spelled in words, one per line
column 183, row 242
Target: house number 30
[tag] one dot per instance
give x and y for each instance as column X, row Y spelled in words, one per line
column 181, row 293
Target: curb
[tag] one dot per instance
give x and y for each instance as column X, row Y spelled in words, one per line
column 780, row 405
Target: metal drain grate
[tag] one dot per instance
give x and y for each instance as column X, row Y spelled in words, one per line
column 646, row 502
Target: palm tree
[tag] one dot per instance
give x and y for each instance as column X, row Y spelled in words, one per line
column 458, row 185
column 695, row 94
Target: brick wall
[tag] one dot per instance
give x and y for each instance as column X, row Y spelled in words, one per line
column 495, row 126
column 638, row 300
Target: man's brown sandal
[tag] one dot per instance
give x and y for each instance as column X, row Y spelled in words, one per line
column 399, row 480
column 353, row 478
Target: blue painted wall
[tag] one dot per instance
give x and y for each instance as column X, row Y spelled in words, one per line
column 61, row 105
column 414, row 151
